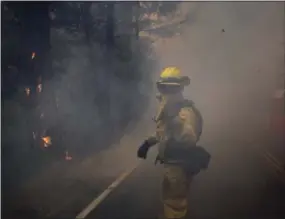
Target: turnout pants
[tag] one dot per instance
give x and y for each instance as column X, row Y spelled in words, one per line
column 175, row 188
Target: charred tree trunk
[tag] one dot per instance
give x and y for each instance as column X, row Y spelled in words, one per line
column 34, row 65
column 110, row 43
column 136, row 11
column 34, row 20
column 35, row 40
column 110, row 25
column 87, row 22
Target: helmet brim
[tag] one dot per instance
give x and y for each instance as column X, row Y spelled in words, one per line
column 181, row 81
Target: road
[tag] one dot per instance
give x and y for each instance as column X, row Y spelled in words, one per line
column 239, row 185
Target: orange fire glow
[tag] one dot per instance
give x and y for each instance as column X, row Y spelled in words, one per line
column 47, row 141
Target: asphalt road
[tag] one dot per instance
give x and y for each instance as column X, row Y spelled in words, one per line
column 240, row 185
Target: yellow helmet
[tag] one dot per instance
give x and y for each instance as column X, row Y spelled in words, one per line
column 172, row 76
column 170, row 72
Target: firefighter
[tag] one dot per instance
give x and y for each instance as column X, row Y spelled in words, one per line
column 178, row 129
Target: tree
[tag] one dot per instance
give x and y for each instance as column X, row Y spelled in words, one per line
column 33, row 64
column 110, row 25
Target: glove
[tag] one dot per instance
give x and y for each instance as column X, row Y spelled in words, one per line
column 143, row 149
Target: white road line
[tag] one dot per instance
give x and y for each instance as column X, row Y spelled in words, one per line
column 274, row 162
column 274, row 159
column 83, row 214
column 276, row 166
column 279, row 171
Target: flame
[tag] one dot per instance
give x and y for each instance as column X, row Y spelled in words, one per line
column 33, row 55
column 67, row 156
column 47, row 141
column 153, row 16
column 28, row 91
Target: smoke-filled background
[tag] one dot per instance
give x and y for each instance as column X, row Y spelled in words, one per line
column 234, row 54
column 82, row 75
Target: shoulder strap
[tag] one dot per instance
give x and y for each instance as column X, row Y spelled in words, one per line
column 190, row 104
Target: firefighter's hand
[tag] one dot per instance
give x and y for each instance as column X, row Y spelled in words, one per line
column 143, row 149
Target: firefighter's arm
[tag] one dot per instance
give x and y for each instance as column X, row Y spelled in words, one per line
column 152, row 140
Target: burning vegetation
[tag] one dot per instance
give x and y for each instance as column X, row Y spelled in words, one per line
column 66, row 84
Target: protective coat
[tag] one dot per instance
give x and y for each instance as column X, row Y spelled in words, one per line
column 178, row 126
